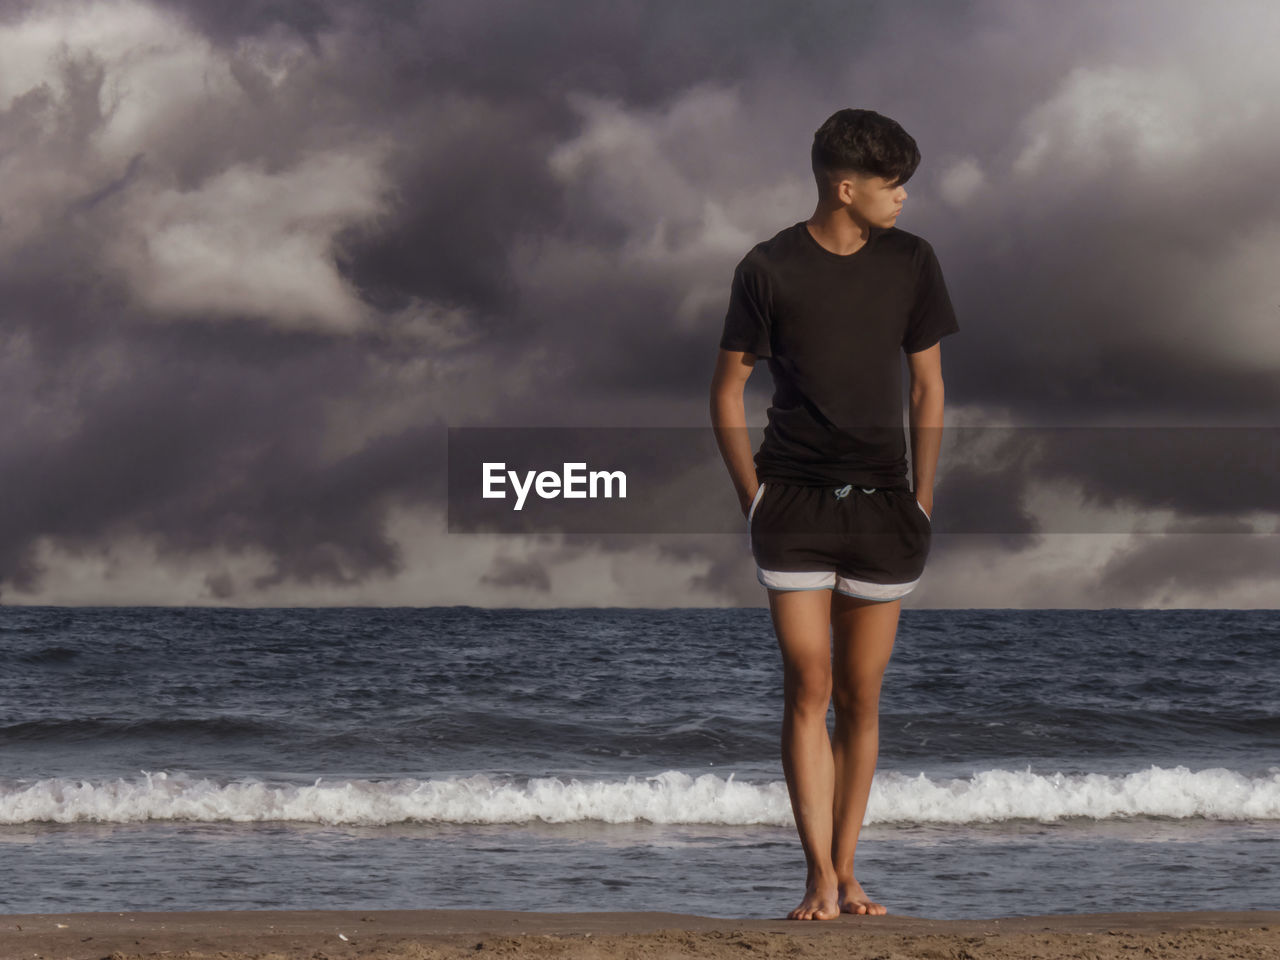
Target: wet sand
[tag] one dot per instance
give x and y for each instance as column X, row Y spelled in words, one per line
column 424, row 934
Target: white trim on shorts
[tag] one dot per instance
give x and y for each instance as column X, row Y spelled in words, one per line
column 827, row 580
column 751, row 512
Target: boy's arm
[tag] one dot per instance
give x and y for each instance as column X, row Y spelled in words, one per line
column 729, row 421
column 925, row 417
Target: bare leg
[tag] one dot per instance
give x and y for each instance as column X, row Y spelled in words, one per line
column 802, row 621
column 863, row 632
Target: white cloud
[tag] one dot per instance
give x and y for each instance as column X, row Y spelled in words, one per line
column 104, row 99
column 1106, row 118
column 961, row 182
column 249, row 242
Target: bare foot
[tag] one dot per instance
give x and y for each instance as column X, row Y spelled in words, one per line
column 853, row 899
column 821, row 902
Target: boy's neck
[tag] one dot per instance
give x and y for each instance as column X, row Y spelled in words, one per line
column 836, row 231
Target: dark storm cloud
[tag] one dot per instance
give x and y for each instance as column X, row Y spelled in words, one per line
column 227, row 22
column 532, row 52
column 1071, row 282
column 1170, row 569
column 198, row 450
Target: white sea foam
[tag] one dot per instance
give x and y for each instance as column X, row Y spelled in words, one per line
column 669, row 798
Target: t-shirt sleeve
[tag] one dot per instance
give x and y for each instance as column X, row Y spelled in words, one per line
column 747, row 322
column 932, row 315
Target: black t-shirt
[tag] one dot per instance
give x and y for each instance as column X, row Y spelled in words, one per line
column 832, row 327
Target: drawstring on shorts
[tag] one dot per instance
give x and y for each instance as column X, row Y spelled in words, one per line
column 842, row 492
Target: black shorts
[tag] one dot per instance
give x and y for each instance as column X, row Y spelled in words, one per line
column 868, row 542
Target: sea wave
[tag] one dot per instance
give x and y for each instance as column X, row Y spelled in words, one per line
column 671, row 797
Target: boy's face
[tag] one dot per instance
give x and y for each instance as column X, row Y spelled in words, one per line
column 872, row 199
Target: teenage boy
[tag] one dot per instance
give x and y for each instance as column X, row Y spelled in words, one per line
column 837, row 532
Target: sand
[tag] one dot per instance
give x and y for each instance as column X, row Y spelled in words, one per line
column 423, row 934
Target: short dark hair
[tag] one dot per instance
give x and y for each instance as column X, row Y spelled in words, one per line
column 865, row 143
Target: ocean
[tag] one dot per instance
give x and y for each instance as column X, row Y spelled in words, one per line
column 1031, row 761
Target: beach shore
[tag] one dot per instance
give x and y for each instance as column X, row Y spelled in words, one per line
column 429, row 934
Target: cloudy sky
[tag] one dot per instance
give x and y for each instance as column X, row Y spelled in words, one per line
column 255, row 259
